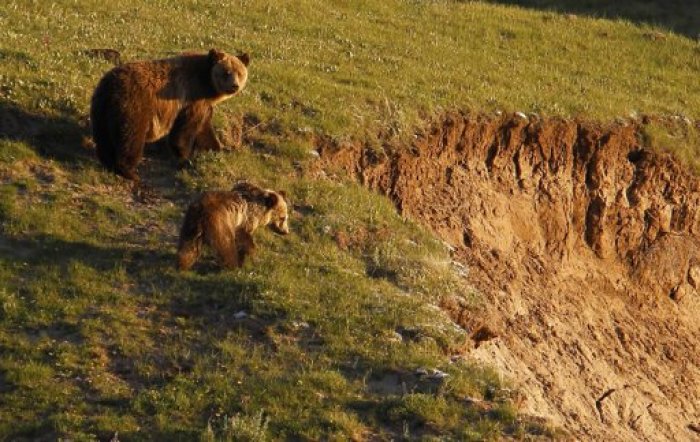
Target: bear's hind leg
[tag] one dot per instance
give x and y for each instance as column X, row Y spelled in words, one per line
column 130, row 147
column 223, row 241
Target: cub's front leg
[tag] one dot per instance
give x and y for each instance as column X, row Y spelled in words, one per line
column 245, row 245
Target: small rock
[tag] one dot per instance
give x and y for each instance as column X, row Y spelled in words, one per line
column 438, row 374
column 694, row 277
column 314, row 153
column 431, row 373
column 482, row 334
column 655, row 35
column 460, row 268
column 395, row 336
column 240, row 315
column 681, row 291
column 457, row 358
column 665, row 216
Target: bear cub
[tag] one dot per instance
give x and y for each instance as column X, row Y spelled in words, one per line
column 146, row 101
column 226, row 220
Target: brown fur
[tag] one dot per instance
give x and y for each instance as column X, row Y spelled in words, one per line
column 142, row 102
column 226, row 220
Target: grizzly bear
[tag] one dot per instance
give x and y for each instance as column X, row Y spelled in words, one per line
column 142, row 102
column 226, row 220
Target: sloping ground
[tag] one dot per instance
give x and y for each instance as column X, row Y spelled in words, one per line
column 587, row 247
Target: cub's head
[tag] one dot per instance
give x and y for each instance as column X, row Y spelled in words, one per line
column 229, row 73
column 277, row 211
column 274, row 202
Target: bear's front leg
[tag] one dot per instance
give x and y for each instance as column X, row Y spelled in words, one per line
column 206, row 138
column 192, row 128
column 244, row 245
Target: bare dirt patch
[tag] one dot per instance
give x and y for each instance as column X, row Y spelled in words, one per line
column 586, row 246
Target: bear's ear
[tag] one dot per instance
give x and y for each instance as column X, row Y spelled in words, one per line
column 271, row 199
column 245, row 58
column 242, row 186
column 215, row 55
column 283, row 194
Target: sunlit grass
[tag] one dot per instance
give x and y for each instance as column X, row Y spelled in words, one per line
column 344, row 68
column 99, row 332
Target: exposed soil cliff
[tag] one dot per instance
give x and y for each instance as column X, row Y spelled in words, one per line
column 586, row 246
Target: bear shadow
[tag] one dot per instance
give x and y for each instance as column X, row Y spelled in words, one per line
column 67, row 139
column 62, row 138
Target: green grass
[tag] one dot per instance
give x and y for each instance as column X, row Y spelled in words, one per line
column 675, row 136
column 99, row 333
column 367, row 66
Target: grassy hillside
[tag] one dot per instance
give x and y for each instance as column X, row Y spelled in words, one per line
column 324, row 333
column 342, row 67
column 101, row 334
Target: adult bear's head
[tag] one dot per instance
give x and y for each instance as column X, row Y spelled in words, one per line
column 229, row 73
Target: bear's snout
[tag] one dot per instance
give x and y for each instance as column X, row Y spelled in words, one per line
column 284, row 230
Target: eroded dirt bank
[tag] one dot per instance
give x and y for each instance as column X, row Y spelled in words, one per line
column 587, row 248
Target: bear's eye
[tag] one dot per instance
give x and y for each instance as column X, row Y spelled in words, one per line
column 227, row 74
column 283, row 219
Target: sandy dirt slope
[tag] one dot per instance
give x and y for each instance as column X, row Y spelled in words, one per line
column 586, row 246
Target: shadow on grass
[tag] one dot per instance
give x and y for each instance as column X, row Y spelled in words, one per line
column 154, row 435
column 680, row 16
column 67, row 138
column 47, row 250
column 210, row 294
column 56, row 137
column 184, row 317
column 45, row 432
column 217, row 302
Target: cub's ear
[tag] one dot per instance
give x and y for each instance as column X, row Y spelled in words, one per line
column 242, row 186
column 215, row 55
column 250, row 191
column 245, row 58
column 283, row 194
column 271, row 199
